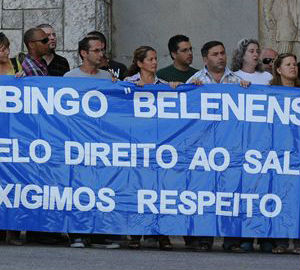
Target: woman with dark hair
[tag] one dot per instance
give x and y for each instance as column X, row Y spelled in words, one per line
column 9, row 66
column 143, row 71
column 246, row 63
column 285, row 72
column 143, row 68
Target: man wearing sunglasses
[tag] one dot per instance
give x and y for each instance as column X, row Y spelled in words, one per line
column 267, row 57
column 36, row 41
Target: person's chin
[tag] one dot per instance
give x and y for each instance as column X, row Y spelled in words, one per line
column 189, row 61
column 221, row 67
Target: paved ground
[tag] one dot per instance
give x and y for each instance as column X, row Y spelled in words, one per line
column 62, row 257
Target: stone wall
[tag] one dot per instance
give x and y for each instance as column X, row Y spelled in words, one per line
column 72, row 19
column 139, row 22
column 280, row 25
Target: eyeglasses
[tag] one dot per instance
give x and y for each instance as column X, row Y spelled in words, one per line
column 98, row 51
column 44, row 40
column 186, row 50
column 267, row 61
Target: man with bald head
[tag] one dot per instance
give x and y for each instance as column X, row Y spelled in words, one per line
column 36, row 41
column 57, row 65
column 267, row 57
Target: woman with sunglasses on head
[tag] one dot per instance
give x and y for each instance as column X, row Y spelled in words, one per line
column 143, row 71
column 9, row 66
column 246, row 62
column 285, row 73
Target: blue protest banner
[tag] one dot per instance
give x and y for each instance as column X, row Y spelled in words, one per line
column 93, row 156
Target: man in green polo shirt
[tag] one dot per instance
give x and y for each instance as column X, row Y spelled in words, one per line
column 181, row 52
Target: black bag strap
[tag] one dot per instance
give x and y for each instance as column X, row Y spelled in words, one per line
column 15, row 64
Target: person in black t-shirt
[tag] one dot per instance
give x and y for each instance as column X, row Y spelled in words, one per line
column 56, row 64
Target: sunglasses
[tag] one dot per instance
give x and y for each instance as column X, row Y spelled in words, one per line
column 267, row 61
column 44, row 40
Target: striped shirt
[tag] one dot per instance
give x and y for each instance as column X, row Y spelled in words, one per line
column 137, row 77
column 206, row 78
column 34, row 67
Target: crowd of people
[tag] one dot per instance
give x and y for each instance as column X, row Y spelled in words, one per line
column 250, row 64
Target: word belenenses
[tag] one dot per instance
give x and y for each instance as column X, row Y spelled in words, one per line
column 67, row 101
column 259, row 108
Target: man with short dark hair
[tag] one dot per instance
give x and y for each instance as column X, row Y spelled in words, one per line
column 56, row 64
column 181, row 52
column 36, row 41
column 91, row 51
column 118, row 70
column 216, row 71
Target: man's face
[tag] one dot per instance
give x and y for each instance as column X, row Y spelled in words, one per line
column 40, row 43
column 215, row 60
column 267, row 57
column 184, row 54
column 52, row 37
column 94, row 56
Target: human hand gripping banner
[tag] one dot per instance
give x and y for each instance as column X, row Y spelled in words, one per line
column 93, row 156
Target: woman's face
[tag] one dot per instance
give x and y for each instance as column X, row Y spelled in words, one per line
column 288, row 69
column 251, row 56
column 4, row 53
column 149, row 64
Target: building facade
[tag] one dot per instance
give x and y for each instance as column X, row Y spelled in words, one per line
column 128, row 24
